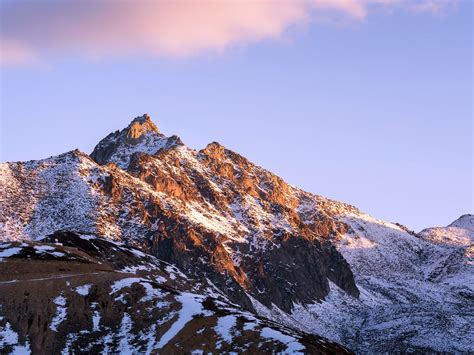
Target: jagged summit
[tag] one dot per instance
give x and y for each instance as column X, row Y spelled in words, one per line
column 145, row 118
column 140, row 136
column 140, row 126
column 215, row 150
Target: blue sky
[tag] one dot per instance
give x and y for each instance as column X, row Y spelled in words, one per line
column 374, row 109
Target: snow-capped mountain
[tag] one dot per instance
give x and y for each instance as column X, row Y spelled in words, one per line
column 311, row 263
column 415, row 294
column 211, row 212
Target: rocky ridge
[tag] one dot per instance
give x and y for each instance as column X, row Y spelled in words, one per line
column 210, row 212
column 310, row 262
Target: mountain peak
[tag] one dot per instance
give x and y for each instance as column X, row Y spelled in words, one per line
column 140, row 136
column 142, row 119
column 140, row 126
column 214, row 149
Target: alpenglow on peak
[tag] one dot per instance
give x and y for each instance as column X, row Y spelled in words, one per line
column 141, row 125
column 140, row 136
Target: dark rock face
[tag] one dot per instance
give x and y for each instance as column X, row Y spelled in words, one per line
column 298, row 272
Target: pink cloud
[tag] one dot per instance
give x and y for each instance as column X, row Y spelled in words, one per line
column 15, row 53
column 165, row 28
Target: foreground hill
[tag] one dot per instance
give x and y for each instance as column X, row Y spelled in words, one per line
column 77, row 293
column 302, row 260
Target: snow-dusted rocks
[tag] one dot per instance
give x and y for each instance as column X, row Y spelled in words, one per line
column 38, row 197
column 211, row 212
column 460, row 233
column 416, row 291
column 301, row 259
column 454, row 265
column 141, row 136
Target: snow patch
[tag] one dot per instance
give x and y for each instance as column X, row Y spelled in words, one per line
column 6, row 253
column 292, row 344
column 61, row 312
column 224, row 327
column 191, row 306
column 83, row 290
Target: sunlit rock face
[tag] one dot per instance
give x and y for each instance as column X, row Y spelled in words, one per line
column 139, row 127
column 141, row 136
column 298, row 258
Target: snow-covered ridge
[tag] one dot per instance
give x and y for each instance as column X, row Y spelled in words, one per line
column 235, row 222
column 30, row 192
column 414, row 289
column 466, row 221
column 459, row 233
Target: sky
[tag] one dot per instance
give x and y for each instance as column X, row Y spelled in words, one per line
column 364, row 101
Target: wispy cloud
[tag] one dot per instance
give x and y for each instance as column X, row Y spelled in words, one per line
column 101, row 28
column 13, row 52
